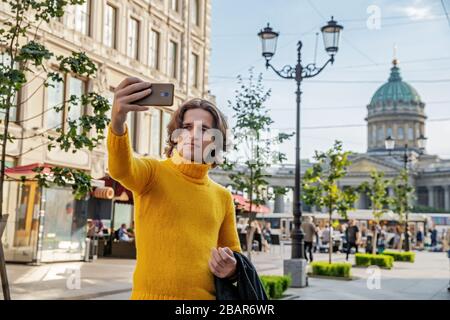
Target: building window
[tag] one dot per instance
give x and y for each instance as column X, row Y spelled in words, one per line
column 174, row 5
column 194, row 70
column 55, row 98
column 78, row 17
column 131, row 125
column 389, row 132
column 400, row 133
column 173, row 57
column 195, row 12
column 5, row 59
column 155, row 132
column 109, row 32
column 133, row 37
column 380, row 134
column 410, row 134
column 154, row 49
column 77, row 88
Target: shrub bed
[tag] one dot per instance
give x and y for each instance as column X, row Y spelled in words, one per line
column 381, row 260
column 336, row 269
column 401, row 256
column 275, row 285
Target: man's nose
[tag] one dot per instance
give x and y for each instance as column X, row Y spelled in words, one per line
column 197, row 134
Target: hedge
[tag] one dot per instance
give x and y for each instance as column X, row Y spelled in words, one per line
column 336, row 269
column 275, row 285
column 401, row 256
column 381, row 260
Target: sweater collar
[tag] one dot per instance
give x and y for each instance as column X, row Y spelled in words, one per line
column 196, row 171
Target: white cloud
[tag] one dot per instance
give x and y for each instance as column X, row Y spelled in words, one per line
column 417, row 10
column 417, row 13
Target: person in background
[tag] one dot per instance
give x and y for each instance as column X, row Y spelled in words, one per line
column 364, row 233
column 446, row 245
column 433, row 233
column 353, row 237
column 123, row 234
column 130, row 230
column 397, row 238
column 326, row 235
column 381, row 239
column 309, row 230
column 343, row 237
column 240, row 225
column 266, row 237
column 419, row 239
column 90, row 229
column 317, row 237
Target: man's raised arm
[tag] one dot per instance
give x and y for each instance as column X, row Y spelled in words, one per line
column 133, row 173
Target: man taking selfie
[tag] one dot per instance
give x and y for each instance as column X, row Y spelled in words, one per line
column 185, row 227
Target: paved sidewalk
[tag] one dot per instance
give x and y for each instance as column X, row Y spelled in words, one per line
column 427, row 278
column 71, row 280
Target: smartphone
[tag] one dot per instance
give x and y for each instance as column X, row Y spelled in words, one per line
column 162, row 95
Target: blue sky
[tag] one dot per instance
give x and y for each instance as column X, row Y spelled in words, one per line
column 339, row 95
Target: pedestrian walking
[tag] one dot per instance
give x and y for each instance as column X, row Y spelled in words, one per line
column 352, row 236
column 309, row 230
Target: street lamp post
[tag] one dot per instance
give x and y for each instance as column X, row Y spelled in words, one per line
column 390, row 145
column 330, row 32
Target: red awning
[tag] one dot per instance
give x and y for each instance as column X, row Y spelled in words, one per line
column 243, row 204
column 26, row 170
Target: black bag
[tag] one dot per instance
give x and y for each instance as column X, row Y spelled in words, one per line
column 248, row 285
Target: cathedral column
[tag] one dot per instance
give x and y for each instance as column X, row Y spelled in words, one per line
column 279, row 204
column 431, row 196
column 446, row 197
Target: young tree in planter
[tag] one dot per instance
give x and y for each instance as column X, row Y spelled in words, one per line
column 376, row 191
column 25, row 59
column 254, row 147
column 404, row 194
column 320, row 184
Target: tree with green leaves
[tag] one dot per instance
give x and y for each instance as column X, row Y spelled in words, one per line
column 402, row 202
column 320, row 185
column 254, row 147
column 24, row 60
column 376, row 190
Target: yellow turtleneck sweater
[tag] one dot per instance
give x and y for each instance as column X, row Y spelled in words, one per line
column 180, row 214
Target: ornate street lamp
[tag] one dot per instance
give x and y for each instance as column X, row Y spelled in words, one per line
column 268, row 41
column 390, row 145
column 331, row 34
column 422, row 142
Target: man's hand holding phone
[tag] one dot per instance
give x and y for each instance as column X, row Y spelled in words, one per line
column 129, row 90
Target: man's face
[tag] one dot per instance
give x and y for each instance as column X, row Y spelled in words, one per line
column 194, row 139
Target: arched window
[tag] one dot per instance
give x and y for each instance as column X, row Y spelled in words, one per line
column 400, row 133
column 389, row 132
column 410, row 134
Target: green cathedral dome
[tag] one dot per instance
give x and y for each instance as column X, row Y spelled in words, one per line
column 395, row 91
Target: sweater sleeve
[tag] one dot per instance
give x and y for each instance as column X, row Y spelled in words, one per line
column 228, row 235
column 135, row 174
